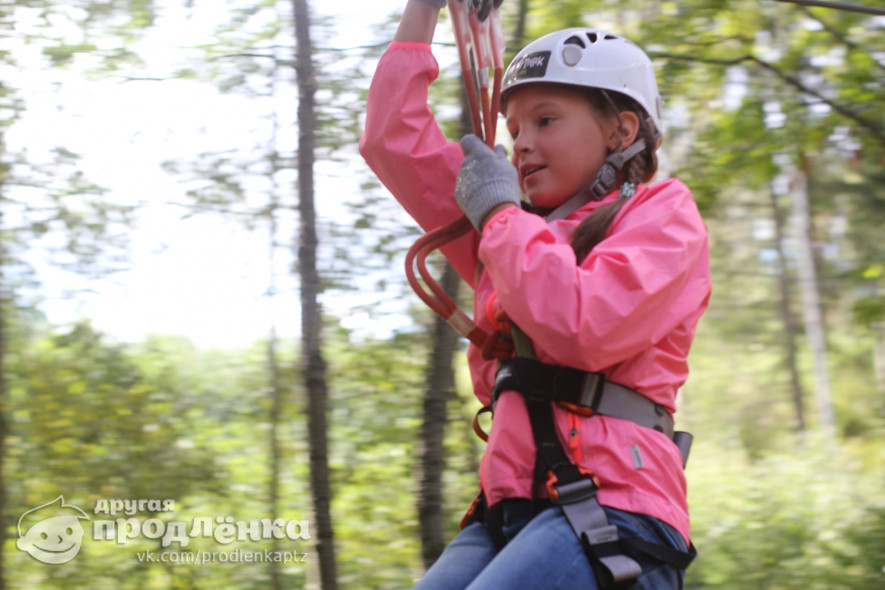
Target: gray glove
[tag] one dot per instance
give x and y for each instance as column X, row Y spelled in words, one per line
column 485, row 8
column 435, row 3
column 485, row 181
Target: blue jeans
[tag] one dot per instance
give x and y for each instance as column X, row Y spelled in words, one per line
column 544, row 553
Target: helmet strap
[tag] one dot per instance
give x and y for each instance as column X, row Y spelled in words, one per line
column 605, row 180
column 608, row 173
column 576, row 202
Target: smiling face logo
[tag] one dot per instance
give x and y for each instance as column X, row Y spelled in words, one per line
column 56, row 535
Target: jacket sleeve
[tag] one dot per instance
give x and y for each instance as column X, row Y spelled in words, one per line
column 646, row 279
column 404, row 146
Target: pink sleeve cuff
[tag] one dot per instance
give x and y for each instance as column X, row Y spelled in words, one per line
column 499, row 217
column 414, row 45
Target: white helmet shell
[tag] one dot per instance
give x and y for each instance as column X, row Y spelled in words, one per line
column 589, row 58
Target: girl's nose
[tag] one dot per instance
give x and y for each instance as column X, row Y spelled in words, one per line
column 523, row 143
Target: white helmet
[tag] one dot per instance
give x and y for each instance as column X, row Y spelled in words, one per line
column 590, row 58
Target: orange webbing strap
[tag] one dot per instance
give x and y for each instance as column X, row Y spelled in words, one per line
column 437, row 299
column 477, row 428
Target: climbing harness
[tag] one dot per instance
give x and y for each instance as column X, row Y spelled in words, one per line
column 479, row 37
column 574, row 490
column 569, row 486
column 480, row 40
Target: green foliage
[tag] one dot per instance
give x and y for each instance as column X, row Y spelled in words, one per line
column 810, row 517
column 87, row 419
column 93, row 419
column 62, row 54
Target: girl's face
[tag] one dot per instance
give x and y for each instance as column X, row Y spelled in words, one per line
column 560, row 142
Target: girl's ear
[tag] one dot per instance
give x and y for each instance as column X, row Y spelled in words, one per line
column 626, row 135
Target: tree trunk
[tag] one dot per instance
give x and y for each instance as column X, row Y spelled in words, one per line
column 440, row 386
column 5, row 306
column 787, row 316
column 519, row 28
column 313, row 364
column 812, row 315
column 3, row 397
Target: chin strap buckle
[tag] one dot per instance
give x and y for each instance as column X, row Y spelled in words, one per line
column 608, row 174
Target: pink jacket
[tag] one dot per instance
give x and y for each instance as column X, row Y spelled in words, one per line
column 629, row 310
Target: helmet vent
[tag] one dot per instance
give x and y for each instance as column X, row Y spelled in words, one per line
column 575, row 40
column 610, row 37
column 592, row 37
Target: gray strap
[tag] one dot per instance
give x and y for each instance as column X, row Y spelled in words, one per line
column 622, row 402
column 588, row 520
column 570, row 206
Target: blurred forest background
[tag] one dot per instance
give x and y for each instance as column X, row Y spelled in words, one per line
column 360, row 423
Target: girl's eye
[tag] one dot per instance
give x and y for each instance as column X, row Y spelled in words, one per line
column 544, row 121
column 514, row 134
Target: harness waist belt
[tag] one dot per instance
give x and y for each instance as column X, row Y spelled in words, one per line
column 571, row 488
column 540, row 381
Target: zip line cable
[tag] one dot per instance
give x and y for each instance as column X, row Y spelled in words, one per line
column 837, row 6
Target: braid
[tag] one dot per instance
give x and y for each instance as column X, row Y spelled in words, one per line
column 639, row 169
column 592, row 230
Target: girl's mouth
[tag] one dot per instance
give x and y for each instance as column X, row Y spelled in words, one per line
column 529, row 170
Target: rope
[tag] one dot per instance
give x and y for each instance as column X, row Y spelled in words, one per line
column 480, row 48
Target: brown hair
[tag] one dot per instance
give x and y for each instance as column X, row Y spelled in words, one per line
column 640, row 168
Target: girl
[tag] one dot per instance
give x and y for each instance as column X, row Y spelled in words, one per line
column 581, row 483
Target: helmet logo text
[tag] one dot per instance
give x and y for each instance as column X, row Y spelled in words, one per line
column 533, row 65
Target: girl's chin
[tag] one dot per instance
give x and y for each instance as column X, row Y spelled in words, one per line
column 546, row 201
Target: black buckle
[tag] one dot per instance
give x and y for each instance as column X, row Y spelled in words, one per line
column 503, row 375
column 576, row 491
column 605, row 180
column 591, row 390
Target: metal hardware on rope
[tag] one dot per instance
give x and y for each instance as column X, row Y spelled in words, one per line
column 480, row 40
